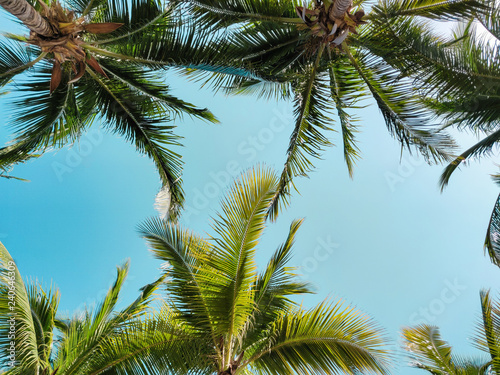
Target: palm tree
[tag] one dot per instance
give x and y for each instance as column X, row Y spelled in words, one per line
column 466, row 94
column 95, row 59
column 327, row 56
column 34, row 340
column 428, row 351
column 243, row 321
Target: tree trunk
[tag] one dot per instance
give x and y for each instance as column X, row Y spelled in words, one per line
column 339, row 8
column 28, row 15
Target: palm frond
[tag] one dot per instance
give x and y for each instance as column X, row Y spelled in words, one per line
column 16, row 59
column 154, row 345
column 237, row 231
column 181, row 251
column 346, row 89
column 329, row 338
column 16, row 319
column 428, row 350
column 492, row 241
column 43, row 309
column 312, row 117
column 481, row 148
column 273, row 288
column 147, row 83
column 450, row 10
column 223, row 13
column 405, row 116
column 138, row 118
column 43, row 121
column 488, row 331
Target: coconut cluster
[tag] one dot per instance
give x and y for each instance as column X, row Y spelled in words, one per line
column 65, row 45
column 332, row 25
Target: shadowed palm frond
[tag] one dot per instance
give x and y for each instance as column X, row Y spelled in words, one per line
column 451, row 10
column 15, row 59
column 347, row 89
column 312, row 114
column 405, row 116
column 42, row 121
column 492, row 241
column 482, row 148
column 223, row 13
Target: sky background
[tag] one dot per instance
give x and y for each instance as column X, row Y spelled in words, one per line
column 386, row 241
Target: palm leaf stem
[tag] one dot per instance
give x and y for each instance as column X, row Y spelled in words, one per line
column 120, row 56
column 251, row 56
column 25, row 66
column 255, row 16
column 130, row 33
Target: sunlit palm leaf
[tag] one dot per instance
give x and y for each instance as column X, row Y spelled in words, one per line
column 428, row 351
column 15, row 307
column 488, row 332
column 327, row 339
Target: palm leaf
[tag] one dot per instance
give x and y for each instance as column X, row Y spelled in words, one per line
column 137, row 118
column 428, row 351
column 483, row 147
column 181, row 250
column 405, row 116
column 15, row 307
column 326, row 339
column 488, row 332
column 346, row 90
column 451, row 10
column 273, row 288
column 492, row 241
column 43, row 121
column 311, row 113
column 15, row 59
column 238, row 228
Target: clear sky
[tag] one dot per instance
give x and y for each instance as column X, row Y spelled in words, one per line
column 387, row 241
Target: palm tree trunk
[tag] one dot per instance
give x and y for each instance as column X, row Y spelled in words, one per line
column 28, row 15
column 340, row 8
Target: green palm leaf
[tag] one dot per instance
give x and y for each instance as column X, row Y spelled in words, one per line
column 428, row 351
column 15, row 312
column 312, row 116
column 243, row 321
column 492, row 241
column 488, row 332
column 326, row 339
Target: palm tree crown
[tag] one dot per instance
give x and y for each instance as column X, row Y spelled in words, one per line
column 101, row 59
column 327, row 56
column 243, row 321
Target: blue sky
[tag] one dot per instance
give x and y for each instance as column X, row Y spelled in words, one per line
column 387, row 241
